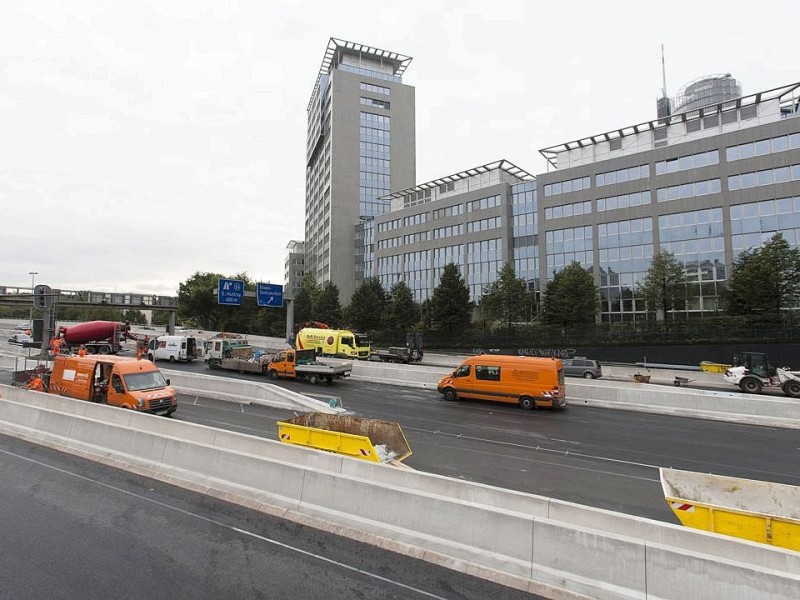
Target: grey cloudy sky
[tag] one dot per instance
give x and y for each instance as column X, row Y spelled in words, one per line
column 143, row 141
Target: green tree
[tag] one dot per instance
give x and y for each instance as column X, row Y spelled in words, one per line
column 571, row 297
column 403, row 313
column 327, row 307
column 764, row 280
column 450, row 306
column 197, row 301
column 367, row 306
column 505, row 300
column 664, row 285
column 305, row 299
column 134, row 316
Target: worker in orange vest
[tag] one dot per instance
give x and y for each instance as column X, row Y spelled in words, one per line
column 82, row 350
column 35, row 383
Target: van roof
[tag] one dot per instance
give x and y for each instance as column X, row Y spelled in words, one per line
column 125, row 363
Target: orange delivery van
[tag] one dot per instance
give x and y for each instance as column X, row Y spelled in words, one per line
column 136, row 384
column 529, row 381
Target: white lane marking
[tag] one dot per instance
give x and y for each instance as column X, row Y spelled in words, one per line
column 283, row 545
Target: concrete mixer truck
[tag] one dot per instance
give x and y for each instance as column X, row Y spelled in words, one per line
column 98, row 337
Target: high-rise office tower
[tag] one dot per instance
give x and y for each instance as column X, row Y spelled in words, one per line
column 361, row 145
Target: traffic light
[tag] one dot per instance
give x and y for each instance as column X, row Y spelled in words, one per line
column 41, row 296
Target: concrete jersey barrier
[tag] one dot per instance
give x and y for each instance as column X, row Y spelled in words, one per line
column 530, row 542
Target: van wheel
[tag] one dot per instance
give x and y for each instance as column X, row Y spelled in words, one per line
column 273, row 374
column 450, row 395
column 313, row 379
column 527, row 403
column 588, row 375
column 172, row 358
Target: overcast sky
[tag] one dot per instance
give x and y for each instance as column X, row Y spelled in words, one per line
column 141, row 142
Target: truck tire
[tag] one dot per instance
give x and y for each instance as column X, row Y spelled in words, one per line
column 527, row 403
column 792, row 388
column 273, row 374
column 104, row 349
column 313, row 379
column 450, row 395
column 750, row 385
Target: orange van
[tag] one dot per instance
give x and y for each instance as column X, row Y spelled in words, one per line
column 529, row 381
column 122, row 381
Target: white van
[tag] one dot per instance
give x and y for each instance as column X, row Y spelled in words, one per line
column 172, row 348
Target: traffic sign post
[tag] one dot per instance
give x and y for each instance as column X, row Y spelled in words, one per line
column 269, row 294
column 230, row 292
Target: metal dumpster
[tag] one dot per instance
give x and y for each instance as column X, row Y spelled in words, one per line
column 759, row 511
column 367, row 439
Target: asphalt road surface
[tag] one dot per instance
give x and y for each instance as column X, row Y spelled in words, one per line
column 603, row 458
column 71, row 528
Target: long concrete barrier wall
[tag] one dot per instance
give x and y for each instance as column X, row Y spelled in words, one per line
column 535, row 543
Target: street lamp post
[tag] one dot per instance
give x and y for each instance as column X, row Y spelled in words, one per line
column 33, row 275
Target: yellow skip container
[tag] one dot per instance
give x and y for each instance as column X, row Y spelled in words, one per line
column 759, row 511
column 367, row 439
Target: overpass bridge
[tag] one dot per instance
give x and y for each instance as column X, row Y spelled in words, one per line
column 23, row 296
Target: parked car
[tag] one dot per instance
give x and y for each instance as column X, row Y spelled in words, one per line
column 20, row 338
column 580, row 366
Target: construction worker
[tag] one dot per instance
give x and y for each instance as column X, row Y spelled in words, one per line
column 55, row 346
column 82, row 350
column 35, row 383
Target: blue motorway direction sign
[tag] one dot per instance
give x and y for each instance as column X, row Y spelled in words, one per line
column 230, row 291
column 269, row 294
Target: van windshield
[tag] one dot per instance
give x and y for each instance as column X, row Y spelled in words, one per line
column 144, row 381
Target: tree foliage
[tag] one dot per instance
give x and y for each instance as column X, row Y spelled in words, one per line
column 450, row 308
column 664, row 285
column 327, row 307
column 571, row 297
column 506, row 300
column 764, row 280
column 403, row 312
column 304, row 301
column 367, row 306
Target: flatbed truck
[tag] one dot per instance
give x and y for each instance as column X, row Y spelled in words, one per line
column 303, row 365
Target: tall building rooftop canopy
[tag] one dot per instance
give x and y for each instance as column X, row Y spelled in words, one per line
column 338, row 51
column 786, row 97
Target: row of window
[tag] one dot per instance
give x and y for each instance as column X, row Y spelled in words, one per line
column 389, row 243
column 375, row 150
column 568, row 210
column 375, row 89
column 450, row 211
column 390, row 225
column 484, row 203
column 445, row 232
column 564, row 187
column 369, row 73
column 370, row 179
column 684, row 163
column 622, row 175
column 484, row 224
column 375, row 165
column 688, row 190
column 375, row 136
column 619, row 232
column 624, row 201
column 417, row 219
column 415, row 238
column 375, row 121
column 572, row 233
column 375, row 102
column 763, row 147
column 765, row 177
